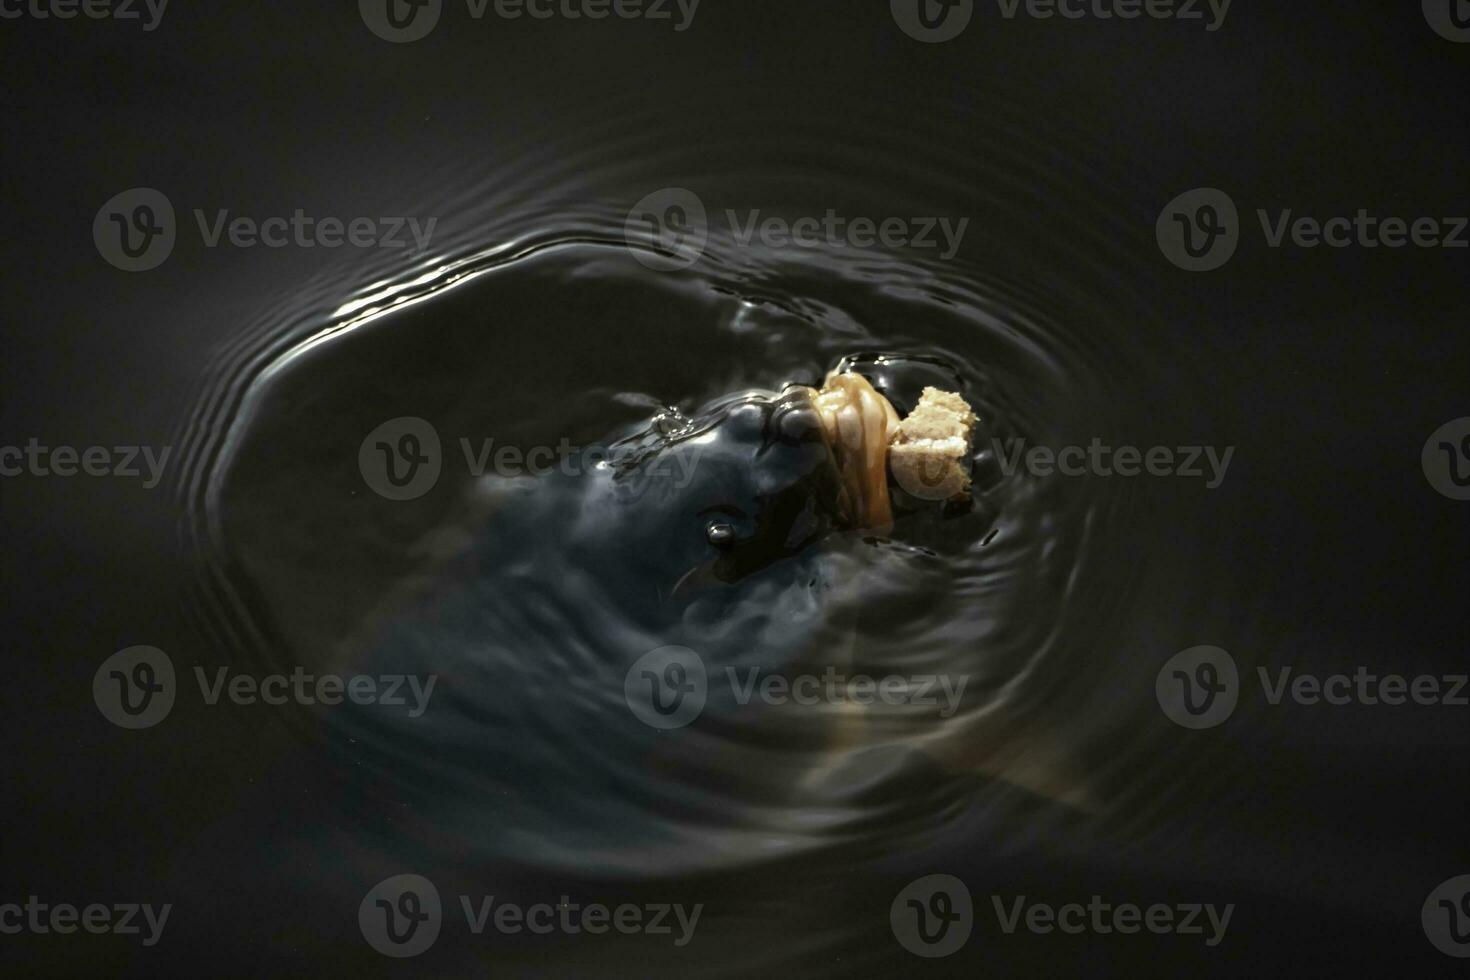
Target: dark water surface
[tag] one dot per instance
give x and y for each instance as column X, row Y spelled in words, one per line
column 535, row 319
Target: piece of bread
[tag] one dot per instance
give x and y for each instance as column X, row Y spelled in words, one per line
column 929, row 455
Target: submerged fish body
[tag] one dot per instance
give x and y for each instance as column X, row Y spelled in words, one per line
column 721, row 555
column 727, row 538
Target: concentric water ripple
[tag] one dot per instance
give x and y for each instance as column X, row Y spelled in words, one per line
column 531, row 755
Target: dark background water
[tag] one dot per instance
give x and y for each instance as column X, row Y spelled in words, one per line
column 1325, row 549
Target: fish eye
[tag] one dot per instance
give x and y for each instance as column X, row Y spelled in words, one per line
column 719, row 534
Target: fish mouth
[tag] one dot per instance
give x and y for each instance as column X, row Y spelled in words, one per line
column 857, row 425
column 850, row 425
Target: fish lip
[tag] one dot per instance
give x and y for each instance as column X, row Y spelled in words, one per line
column 858, row 423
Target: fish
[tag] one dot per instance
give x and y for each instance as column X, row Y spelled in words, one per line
column 745, row 534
